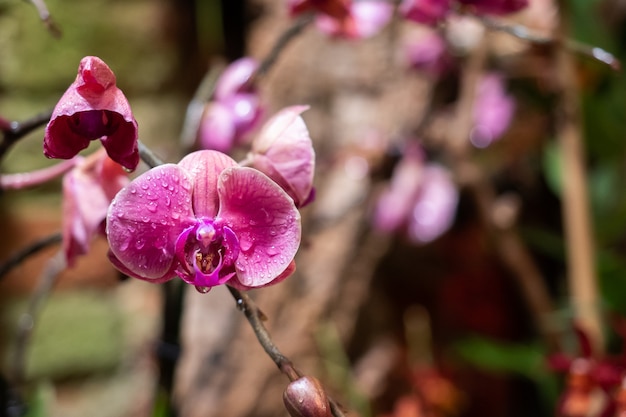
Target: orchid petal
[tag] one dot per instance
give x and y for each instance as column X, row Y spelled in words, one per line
column 283, row 150
column 205, row 167
column 264, row 219
column 435, row 206
column 146, row 217
column 235, row 77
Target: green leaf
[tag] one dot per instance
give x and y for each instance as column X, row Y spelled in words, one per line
column 552, row 167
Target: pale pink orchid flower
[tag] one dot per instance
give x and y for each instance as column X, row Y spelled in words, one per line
column 88, row 189
column 493, row 111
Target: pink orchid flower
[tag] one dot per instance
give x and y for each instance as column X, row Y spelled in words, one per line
column 93, row 108
column 493, row 111
column 365, row 19
column 235, row 109
column 283, row 151
column 206, row 220
column 495, row 7
column 421, row 200
column 428, row 53
column 88, row 190
column 428, row 12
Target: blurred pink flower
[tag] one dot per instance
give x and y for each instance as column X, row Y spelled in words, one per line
column 365, row 19
column 428, row 53
column 235, row 110
column 496, row 7
column 88, row 189
column 493, row 111
column 429, row 12
column 284, row 152
column 206, row 220
column 420, row 199
column 93, row 108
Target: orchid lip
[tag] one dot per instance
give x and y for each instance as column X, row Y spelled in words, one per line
column 206, row 253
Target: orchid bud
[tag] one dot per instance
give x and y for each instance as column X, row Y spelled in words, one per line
column 305, row 397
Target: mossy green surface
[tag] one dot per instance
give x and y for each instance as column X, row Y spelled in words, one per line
column 78, row 333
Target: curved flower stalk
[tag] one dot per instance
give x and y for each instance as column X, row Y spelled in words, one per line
column 283, row 151
column 88, row 190
column 421, row 200
column 93, row 108
column 206, row 220
column 235, row 109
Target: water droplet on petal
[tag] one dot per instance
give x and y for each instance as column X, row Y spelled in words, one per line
column 152, row 207
column 124, row 245
column 175, row 215
column 272, row 251
column 202, row 290
column 140, row 243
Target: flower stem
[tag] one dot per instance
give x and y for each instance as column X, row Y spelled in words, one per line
column 14, row 131
column 575, row 200
column 254, row 316
column 47, row 279
column 148, row 156
column 523, row 33
column 32, row 249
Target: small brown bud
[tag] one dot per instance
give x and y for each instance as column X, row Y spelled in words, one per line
column 305, row 397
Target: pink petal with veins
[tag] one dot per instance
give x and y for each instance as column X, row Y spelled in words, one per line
column 265, row 221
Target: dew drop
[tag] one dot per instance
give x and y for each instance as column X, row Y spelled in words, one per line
column 202, row 290
column 133, row 191
column 145, row 219
column 164, row 184
column 144, row 186
column 124, row 244
column 152, row 207
column 175, row 215
column 140, row 243
column 272, row 251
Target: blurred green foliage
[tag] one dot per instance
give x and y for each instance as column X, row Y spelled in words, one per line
column 78, row 333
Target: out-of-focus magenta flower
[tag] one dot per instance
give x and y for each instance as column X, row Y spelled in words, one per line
column 206, row 220
column 435, row 205
column 88, row 190
column 421, row 199
column 337, row 9
column 365, row 19
column 235, row 109
column 93, row 107
column 429, row 12
column 284, row 152
column 495, row 7
column 493, row 111
column 428, row 53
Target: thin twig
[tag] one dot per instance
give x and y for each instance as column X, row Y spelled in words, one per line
column 28, row 251
column 284, row 364
column 195, row 108
column 582, row 277
column 47, row 279
column 46, row 18
column 281, row 43
column 17, row 130
column 523, row 33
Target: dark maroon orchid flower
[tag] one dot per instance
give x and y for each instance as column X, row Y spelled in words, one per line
column 93, row 108
column 495, row 7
